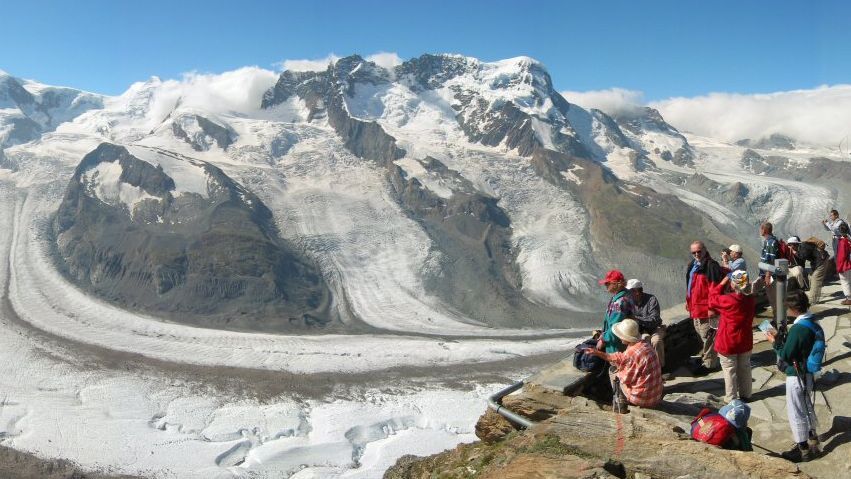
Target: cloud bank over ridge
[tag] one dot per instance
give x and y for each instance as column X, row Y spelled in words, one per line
column 819, row 116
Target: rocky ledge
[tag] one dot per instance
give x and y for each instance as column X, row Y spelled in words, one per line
column 577, row 437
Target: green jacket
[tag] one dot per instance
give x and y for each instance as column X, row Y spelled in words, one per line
column 619, row 308
column 799, row 342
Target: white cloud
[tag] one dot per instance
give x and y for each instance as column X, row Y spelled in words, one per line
column 305, row 65
column 611, row 101
column 239, row 90
column 820, row 116
column 386, row 60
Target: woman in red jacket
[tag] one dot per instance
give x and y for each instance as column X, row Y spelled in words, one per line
column 843, row 262
column 734, row 340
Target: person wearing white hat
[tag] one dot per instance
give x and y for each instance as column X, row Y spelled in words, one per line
column 639, row 374
column 796, row 264
column 731, row 258
column 646, row 310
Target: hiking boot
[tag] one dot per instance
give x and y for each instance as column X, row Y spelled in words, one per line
column 796, row 454
column 846, row 302
column 668, row 377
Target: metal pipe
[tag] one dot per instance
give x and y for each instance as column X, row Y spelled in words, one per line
column 495, row 403
column 779, row 273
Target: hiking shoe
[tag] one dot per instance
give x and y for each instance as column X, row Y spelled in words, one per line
column 796, row 454
column 668, row 377
column 846, row 302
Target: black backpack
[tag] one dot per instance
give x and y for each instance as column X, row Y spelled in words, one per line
column 586, row 362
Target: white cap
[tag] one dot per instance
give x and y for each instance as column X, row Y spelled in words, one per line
column 634, row 284
column 735, row 248
column 793, row 240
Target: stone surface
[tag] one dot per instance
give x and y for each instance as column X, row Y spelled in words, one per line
column 579, row 437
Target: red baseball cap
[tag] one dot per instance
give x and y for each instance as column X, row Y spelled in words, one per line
column 612, row 276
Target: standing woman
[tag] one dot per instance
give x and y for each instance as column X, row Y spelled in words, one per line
column 734, row 339
column 843, row 262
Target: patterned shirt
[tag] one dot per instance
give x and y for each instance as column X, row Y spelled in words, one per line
column 770, row 249
column 640, row 374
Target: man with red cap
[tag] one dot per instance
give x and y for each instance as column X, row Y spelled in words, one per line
column 618, row 309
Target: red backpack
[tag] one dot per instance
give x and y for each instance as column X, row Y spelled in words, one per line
column 712, row 428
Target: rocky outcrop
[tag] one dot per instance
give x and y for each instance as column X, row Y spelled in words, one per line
column 133, row 234
column 642, row 124
column 775, row 141
column 25, row 116
column 201, row 133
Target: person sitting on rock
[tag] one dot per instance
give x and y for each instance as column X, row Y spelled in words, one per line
column 794, row 353
column 734, row 339
column 639, row 374
column 646, row 311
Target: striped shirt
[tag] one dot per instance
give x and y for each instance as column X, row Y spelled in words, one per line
column 640, row 374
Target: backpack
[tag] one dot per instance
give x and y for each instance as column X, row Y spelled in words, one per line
column 584, row 361
column 782, row 249
column 820, row 244
column 712, row 428
column 816, row 357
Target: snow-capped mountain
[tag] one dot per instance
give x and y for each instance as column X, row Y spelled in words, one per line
column 426, row 229
column 440, row 195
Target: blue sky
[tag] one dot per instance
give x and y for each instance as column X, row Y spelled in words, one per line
column 664, row 49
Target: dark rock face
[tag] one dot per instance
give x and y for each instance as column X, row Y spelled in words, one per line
column 207, row 134
column 213, row 261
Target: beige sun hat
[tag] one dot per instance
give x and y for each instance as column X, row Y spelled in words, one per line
column 627, row 330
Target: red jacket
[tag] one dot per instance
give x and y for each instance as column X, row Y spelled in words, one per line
column 709, row 273
column 843, row 262
column 735, row 327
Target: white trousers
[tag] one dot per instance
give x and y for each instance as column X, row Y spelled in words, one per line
column 797, row 406
column 845, row 281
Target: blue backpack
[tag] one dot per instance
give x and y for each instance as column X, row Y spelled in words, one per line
column 586, row 362
column 817, row 354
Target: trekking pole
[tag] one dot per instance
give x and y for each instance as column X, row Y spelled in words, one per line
column 808, row 406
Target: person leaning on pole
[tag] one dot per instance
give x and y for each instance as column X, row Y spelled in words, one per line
column 702, row 272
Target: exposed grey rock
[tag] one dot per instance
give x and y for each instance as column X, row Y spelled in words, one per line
column 213, row 261
column 638, row 121
column 202, row 133
column 775, row 141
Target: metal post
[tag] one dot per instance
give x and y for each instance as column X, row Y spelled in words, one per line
column 779, row 273
column 782, row 276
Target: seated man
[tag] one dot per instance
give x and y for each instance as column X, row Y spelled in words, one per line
column 646, row 311
column 639, row 375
